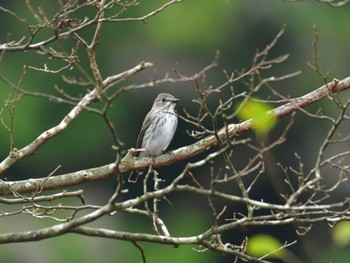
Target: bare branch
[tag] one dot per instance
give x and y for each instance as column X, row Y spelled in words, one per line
column 17, row 155
column 131, row 163
column 227, row 184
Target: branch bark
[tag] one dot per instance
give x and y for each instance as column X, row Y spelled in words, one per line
column 129, row 163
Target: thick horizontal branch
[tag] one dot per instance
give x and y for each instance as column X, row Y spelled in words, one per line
column 334, row 86
column 59, row 181
column 131, row 163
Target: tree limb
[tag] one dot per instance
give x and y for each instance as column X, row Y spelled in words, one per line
column 129, row 163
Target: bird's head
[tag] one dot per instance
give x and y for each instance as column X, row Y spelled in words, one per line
column 165, row 101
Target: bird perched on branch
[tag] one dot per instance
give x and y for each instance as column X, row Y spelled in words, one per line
column 157, row 130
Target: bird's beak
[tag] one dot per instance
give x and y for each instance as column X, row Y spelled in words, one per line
column 175, row 100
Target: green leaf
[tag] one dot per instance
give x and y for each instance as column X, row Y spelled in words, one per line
column 341, row 233
column 257, row 111
column 261, row 244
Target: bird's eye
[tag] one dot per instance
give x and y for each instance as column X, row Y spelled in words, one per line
column 163, row 99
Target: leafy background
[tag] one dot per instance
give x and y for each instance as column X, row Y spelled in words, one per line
column 187, row 35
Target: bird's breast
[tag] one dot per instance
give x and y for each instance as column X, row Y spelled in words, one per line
column 160, row 133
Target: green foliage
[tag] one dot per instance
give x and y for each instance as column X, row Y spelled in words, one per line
column 341, row 233
column 261, row 244
column 258, row 112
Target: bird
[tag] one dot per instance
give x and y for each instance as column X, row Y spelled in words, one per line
column 157, row 131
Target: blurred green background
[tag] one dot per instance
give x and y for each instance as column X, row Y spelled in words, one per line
column 187, row 35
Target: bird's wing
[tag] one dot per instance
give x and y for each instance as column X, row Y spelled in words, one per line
column 146, row 123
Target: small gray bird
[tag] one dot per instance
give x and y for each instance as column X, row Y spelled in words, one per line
column 157, row 130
